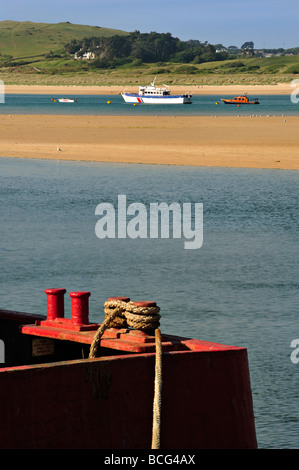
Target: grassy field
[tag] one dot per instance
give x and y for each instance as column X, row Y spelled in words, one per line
column 28, row 40
column 25, row 60
column 73, row 72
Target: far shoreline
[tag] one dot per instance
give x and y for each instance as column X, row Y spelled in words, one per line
column 279, row 89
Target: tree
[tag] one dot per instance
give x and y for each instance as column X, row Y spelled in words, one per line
column 146, row 47
column 247, row 46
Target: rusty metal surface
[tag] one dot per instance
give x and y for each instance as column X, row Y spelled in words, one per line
column 106, row 403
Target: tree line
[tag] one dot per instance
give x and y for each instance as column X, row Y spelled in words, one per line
column 140, row 48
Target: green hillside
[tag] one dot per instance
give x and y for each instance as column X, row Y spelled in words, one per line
column 25, row 58
column 26, row 39
column 271, row 66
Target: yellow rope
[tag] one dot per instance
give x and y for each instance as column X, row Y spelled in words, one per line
column 157, row 393
column 96, row 340
column 121, row 314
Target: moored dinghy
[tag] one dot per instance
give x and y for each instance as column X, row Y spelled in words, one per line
column 67, row 100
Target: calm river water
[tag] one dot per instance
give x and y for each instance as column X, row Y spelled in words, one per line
column 202, row 105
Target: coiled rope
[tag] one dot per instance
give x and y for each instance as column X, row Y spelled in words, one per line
column 120, row 312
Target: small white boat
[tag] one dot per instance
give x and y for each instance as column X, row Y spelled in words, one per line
column 67, row 100
column 153, row 95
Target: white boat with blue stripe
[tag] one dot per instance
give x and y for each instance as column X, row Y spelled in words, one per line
column 153, row 95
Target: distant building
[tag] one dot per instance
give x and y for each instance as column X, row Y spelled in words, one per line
column 259, row 53
column 86, row 56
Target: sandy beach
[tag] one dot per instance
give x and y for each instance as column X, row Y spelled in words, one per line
column 279, row 89
column 244, row 142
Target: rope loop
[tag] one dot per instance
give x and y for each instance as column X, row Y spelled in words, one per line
column 139, row 315
column 143, row 315
column 121, row 312
column 119, row 321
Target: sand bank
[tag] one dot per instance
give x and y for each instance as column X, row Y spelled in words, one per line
column 256, row 90
column 245, row 142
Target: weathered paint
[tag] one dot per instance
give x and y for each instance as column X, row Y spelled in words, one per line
column 55, row 303
column 106, row 403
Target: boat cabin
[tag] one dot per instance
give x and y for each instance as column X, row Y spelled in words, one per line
column 241, row 99
column 152, row 90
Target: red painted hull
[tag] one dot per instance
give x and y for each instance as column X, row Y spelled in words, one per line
column 62, row 401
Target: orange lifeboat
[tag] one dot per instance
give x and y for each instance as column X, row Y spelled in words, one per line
column 240, row 100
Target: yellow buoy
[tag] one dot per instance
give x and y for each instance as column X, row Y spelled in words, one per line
column 108, row 102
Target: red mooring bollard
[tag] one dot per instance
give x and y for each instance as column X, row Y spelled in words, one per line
column 55, row 303
column 80, row 308
column 145, row 303
column 123, row 299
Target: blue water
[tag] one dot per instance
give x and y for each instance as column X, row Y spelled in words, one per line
column 239, row 288
column 274, row 105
